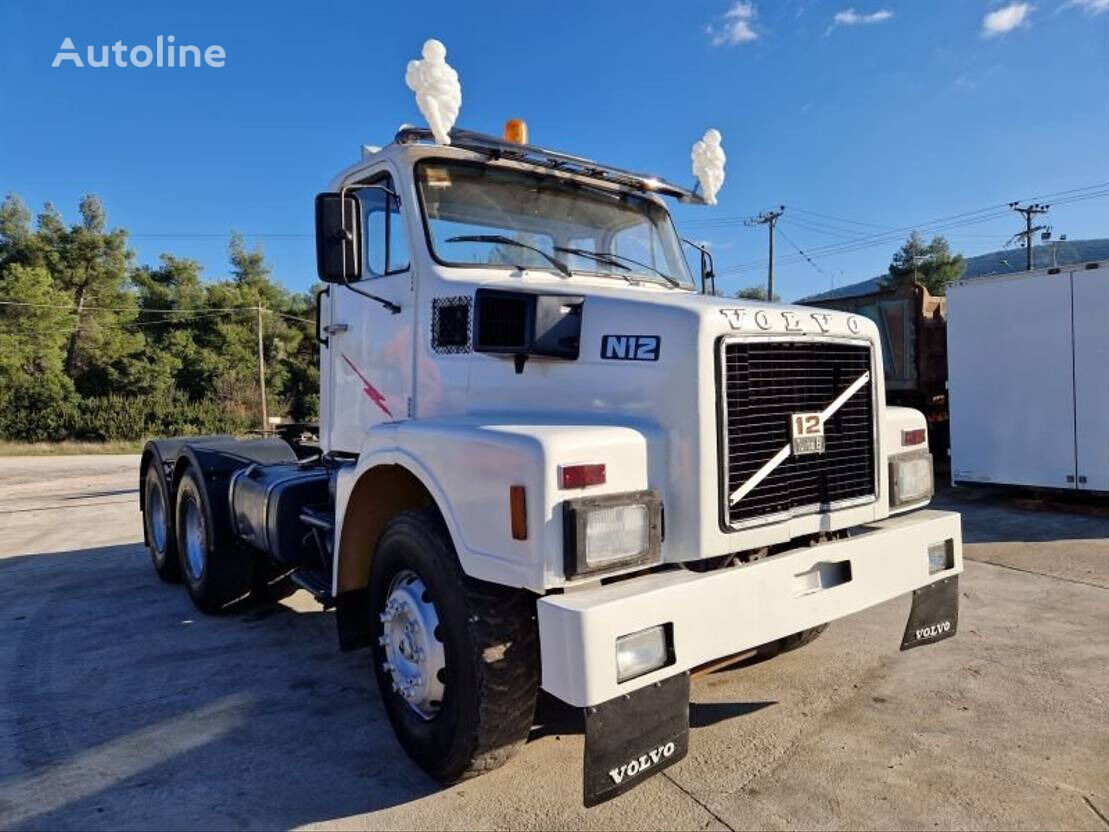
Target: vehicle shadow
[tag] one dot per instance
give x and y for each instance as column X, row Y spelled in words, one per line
column 553, row 717
column 122, row 706
column 995, row 515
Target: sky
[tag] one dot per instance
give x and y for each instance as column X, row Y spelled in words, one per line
column 865, row 119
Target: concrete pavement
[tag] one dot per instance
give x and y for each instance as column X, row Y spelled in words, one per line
column 123, row 707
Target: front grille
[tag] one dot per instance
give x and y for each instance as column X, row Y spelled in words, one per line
column 763, row 383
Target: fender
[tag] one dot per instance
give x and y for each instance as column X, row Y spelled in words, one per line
column 468, row 465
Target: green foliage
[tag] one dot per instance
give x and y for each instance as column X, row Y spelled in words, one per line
column 755, row 293
column 140, row 417
column 932, row 265
column 94, row 347
column 37, row 409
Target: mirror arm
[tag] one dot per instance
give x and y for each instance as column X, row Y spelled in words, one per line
column 708, row 266
column 388, row 304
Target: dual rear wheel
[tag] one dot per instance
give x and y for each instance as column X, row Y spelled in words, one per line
column 186, row 545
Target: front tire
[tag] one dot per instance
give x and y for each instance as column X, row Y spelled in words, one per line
column 217, row 571
column 456, row 659
column 160, row 539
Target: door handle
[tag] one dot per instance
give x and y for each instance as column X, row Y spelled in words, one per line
column 335, row 329
column 319, row 306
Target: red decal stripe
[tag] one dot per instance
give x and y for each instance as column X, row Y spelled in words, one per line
column 375, row 395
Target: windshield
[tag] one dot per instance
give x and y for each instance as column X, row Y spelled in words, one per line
column 483, row 215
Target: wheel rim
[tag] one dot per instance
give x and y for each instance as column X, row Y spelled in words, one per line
column 156, row 512
column 196, row 547
column 414, row 656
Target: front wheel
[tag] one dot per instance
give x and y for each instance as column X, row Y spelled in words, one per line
column 456, row 659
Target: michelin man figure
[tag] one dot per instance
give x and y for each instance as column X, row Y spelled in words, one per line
column 708, row 164
column 438, row 92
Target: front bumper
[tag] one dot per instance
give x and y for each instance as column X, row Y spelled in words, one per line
column 720, row 613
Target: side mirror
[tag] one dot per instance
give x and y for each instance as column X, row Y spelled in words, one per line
column 708, row 268
column 338, row 238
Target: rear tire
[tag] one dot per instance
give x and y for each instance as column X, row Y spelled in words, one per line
column 485, row 646
column 217, row 571
column 160, row 539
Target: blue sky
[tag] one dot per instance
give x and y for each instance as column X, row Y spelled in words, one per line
column 861, row 117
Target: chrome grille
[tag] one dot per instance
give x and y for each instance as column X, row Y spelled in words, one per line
column 763, row 383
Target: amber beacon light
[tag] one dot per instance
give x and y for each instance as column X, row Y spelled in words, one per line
column 516, row 131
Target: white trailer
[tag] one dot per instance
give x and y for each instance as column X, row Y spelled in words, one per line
column 1029, row 379
column 546, row 459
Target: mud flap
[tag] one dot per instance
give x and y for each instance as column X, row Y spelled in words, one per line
column 631, row 737
column 935, row 614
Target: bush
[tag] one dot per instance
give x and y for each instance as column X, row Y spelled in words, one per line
column 41, row 412
column 38, row 409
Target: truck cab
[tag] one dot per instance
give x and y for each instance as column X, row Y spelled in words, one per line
column 548, row 458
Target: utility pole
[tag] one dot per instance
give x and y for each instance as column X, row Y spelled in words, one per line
column 262, row 373
column 1029, row 212
column 769, row 219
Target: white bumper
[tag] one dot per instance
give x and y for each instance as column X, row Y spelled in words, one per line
column 719, row 613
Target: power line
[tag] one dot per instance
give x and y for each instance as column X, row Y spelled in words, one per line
column 955, row 221
column 202, row 235
column 730, row 221
column 73, row 308
column 802, row 253
column 841, row 219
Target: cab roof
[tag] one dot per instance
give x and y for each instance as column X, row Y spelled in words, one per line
column 494, row 148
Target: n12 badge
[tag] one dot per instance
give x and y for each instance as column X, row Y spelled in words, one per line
column 630, row 347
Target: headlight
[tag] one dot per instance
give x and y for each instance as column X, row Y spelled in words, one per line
column 642, row 652
column 910, row 478
column 611, row 531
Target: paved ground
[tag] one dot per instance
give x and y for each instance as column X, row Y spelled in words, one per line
column 121, row 707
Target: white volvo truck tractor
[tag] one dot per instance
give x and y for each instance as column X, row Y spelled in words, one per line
column 546, row 460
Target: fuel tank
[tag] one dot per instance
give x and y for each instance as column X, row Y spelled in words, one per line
column 266, row 503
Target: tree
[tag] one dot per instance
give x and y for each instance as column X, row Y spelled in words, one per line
column 92, row 265
column 755, row 293
column 92, row 346
column 932, row 265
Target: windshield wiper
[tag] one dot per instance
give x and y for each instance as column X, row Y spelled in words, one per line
column 596, row 256
column 672, row 281
column 499, row 239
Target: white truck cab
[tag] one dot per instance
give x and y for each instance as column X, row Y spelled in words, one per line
column 546, row 458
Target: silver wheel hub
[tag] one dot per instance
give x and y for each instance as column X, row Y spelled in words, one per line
column 414, row 656
column 196, row 546
column 157, row 510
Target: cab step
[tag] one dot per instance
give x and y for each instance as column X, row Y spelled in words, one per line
column 315, row 583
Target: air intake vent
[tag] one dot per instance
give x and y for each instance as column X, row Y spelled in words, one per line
column 450, row 325
column 525, row 323
column 503, row 320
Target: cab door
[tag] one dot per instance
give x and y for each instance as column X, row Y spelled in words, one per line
column 368, row 351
